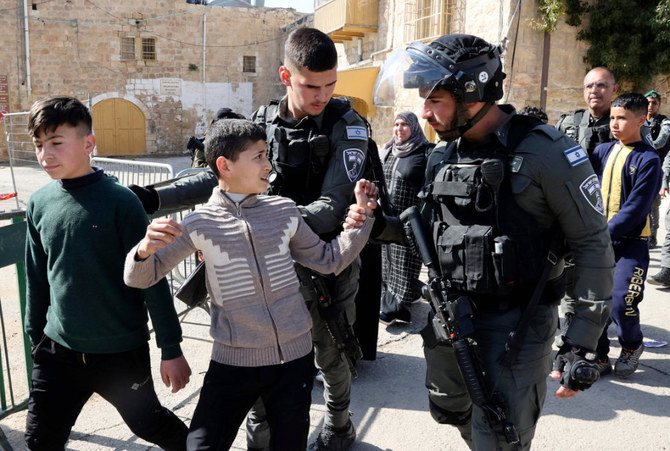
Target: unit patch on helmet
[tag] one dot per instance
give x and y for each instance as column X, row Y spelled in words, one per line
column 353, row 163
column 590, row 189
column 354, row 132
column 483, row 77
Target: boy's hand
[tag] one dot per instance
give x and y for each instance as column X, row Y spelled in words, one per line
column 160, row 233
column 175, row 372
column 366, row 193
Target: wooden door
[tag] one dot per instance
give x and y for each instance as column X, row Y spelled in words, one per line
column 120, row 128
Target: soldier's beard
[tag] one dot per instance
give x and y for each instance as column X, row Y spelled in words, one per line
column 452, row 134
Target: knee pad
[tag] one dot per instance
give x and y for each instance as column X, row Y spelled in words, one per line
column 446, row 417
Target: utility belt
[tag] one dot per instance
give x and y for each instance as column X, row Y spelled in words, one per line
column 553, row 292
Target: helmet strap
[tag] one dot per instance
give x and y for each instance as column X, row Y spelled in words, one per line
column 463, row 124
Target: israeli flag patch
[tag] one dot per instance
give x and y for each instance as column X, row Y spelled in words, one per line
column 355, row 132
column 575, row 155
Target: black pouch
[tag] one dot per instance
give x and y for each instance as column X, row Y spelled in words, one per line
column 505, row 264
column 465, row 258
column 193, row 291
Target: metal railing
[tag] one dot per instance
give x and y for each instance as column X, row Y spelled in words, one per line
column 134, row 172
column 13, row 386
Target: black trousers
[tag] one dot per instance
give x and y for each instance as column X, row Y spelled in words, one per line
column 228, row 392
column 63, row 380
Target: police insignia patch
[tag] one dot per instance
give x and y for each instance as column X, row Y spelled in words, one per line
column 515, row 164
column 590, row 189
column 353, row 163
column 354, row 132
column 575, row 155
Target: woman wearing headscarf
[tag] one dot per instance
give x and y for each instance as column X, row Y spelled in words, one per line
column 404, row 160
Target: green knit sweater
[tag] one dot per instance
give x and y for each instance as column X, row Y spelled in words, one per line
column 79, row 232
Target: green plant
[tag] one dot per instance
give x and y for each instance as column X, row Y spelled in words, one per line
column 550, row 12
column 630, row 37
column 192, row 67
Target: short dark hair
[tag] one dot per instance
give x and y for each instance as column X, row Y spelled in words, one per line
column 51, row 112
column 228, row 138
column 311, row 49
column 632, row 101
column 535, row 112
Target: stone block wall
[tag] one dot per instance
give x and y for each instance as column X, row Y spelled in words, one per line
column 75, row 49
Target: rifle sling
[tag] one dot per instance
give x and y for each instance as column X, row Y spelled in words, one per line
column 517, row 337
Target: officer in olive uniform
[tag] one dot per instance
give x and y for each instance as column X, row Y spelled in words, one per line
column 318, row 148
column 659, row 126
column 498, row 186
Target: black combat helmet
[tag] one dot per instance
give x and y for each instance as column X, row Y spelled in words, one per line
column 465, row 65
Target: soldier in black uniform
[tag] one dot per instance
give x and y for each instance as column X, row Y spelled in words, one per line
column 660, row 132
column 498, row 186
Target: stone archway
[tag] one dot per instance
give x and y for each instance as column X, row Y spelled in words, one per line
column 120, row 127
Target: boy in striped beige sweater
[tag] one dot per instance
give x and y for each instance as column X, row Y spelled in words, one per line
column 259, row 321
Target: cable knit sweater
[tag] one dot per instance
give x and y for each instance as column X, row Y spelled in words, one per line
column 258, row 316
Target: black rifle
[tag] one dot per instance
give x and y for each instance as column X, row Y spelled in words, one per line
column 336, row 322
column 452, row 324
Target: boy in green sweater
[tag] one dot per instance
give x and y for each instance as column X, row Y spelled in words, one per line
column 88, row 329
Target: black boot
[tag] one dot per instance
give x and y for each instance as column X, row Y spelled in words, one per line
column 662, row 278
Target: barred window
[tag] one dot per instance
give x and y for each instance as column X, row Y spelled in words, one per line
column 148, row 49
column 427, row 20
column 128, row 48
column 248, row 64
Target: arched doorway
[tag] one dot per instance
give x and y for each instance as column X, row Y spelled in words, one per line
column 120, row 128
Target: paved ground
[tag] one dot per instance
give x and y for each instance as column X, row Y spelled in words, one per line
column 389, row 400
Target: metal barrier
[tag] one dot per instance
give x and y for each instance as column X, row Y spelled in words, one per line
column 12, row 243
column 133, row 172
column 20, row 147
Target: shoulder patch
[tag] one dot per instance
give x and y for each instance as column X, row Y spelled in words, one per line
column 356, row 132
column 354, row 160
column 515, row 163
column 576, row 155
column 590, row 189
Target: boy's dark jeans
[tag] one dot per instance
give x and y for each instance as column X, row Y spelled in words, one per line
column 63, row 380
column 228, row 392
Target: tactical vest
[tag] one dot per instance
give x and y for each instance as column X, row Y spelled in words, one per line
column 655, row 125
column 300, row 156
column 577, row 127
column 487, row 245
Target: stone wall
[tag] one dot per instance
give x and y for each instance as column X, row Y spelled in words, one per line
column 75, row 49
column 522, row 59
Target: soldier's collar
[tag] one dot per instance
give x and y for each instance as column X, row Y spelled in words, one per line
column 502, row 132
column 290, row 120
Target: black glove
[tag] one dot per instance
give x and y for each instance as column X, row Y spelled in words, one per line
column 579, row 373
column 195, row 143
column 148, row 196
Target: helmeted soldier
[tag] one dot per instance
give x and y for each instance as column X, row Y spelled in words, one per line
column 590, row 127
column 498, row 186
